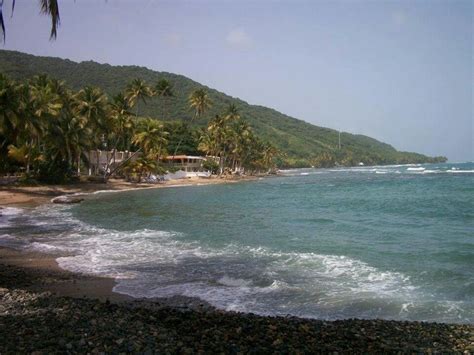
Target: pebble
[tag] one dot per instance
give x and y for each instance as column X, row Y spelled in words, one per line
column 40, row 323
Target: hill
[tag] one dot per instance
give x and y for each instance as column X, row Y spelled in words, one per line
column 303, row 143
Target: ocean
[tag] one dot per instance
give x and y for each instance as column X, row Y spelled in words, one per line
column 390, row 242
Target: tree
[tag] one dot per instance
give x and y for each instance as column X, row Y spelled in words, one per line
column 151, row 138
column 164, row 90
column 92, row 106
column 181, row 133
column 142, row 167
column 121, row 122
column 9, row 109
column 69, row 137
column 138, row 91
column 221, row 135
column 269, row 154
column 200, row 102
column 39, row 106
column 232, row 113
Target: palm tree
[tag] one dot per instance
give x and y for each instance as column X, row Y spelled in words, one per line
column 268, row 156
column 91, row 105
column 207, row 144
column 151, row 138
column 69, row 138
column 141, row 167
column 39, row 106
column 241, row 143
column 232, row 113
column 221, row 133
column 9, row 107
column 47, row 7
column 138, row 91
column 164, row 89
column 122, row 124
column 200, row 101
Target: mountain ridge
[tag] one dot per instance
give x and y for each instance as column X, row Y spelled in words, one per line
column 303, row 143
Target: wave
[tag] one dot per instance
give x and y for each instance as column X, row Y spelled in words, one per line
column 153, row 263
column 458, row 171
column 157, row 263
column 8, row 214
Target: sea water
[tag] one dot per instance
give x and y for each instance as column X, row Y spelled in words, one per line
column 392, row 242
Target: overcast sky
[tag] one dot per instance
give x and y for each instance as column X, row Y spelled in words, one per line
column 399, row 71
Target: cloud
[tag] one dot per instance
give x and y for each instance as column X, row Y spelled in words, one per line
column 239, row 39
column 173, row 40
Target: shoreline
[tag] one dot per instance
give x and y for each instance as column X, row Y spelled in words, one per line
column 45, row 309
column 32, row 196
column 34, row 287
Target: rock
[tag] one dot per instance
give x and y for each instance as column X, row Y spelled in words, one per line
column 67, row 199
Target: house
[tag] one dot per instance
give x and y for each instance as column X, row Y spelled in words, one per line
column 183, row 166
column 101, row 160
column 187, row 163
column 180, row 166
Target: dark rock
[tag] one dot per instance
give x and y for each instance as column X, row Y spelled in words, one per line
column 67, row 199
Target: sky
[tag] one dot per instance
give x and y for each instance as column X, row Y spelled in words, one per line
column 398, row 71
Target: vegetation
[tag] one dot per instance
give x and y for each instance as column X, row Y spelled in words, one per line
column 301, row 143
column 46, row 131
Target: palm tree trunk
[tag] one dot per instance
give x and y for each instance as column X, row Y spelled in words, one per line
column 107, row 176
column 79, row 164
column 181, row 139
column 28, row 160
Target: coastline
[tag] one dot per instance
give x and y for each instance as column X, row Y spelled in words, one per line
column 45, row 309
column 35, row 290
column 30, row 196
column 44, row 272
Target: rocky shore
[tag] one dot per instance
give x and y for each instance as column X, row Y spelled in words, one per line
column 33, row 320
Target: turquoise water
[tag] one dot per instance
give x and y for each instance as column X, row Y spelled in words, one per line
column 391, row 242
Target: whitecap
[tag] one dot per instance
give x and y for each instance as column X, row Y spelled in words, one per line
column 229, row 281
column 457, row 171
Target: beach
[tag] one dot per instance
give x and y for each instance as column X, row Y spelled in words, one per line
column 35, row 195
column 44, row 309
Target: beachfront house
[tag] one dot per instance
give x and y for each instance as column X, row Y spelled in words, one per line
column 102, row 160
column 185, row 165
column 179, row 166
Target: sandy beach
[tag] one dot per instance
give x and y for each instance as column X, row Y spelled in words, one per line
column 46, row 309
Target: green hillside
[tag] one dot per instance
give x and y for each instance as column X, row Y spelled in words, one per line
column 303, row 143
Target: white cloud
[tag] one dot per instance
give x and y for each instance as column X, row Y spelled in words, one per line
column 239, row 39
column 173, row 39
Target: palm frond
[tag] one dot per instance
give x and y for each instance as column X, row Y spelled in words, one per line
column 2, row 23
column 51, row 9
column 48, row 7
